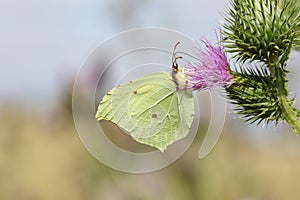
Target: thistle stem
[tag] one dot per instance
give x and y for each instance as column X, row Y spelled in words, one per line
column 289, row 113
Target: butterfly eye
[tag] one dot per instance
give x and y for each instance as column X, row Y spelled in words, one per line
column 175, row 67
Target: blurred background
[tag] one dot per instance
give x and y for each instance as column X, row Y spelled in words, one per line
column 42, row 46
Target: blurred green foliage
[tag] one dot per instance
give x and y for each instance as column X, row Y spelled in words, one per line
column 39, row 159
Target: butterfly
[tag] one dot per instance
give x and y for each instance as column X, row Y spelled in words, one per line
column 155, row 110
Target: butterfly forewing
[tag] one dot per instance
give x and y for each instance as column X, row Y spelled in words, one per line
column 150, row 109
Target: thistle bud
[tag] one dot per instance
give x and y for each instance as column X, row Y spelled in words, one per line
column 261, row 30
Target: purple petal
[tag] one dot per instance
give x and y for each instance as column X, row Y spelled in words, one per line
column 212, row 70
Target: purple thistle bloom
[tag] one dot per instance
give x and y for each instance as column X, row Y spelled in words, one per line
column 211, row 71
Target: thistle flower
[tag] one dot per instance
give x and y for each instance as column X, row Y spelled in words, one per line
column 211, row 70
column 262, row 32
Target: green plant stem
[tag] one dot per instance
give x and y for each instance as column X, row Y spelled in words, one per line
column 289, row 113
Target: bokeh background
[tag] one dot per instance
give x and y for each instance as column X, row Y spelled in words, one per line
column 43, row 44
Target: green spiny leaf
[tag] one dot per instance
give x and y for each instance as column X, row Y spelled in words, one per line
column 254, row 97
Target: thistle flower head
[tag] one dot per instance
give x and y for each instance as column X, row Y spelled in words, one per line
column 212, row 68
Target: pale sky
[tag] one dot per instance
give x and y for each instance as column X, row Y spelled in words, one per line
column 43, row 43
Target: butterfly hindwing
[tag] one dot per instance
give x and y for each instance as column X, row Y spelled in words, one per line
column 150, row 109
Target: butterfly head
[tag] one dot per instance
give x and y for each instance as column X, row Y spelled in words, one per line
column 177, row 72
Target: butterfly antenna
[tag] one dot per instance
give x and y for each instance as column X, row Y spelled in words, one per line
column 174, row 52
column 181, row 52
column 175, row 58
